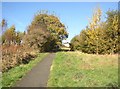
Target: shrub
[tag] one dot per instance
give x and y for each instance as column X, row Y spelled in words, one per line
column 15, row 55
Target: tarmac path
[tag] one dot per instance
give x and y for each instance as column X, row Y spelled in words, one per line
column 39, row 75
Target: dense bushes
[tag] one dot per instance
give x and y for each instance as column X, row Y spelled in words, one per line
column 101, row 38
column 15, row 55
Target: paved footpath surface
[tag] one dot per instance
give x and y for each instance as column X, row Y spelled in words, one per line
column 38, row 76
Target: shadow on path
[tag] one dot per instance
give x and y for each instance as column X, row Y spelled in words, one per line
column 38, row 76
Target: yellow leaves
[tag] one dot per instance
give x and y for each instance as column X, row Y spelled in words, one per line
column 115, row 22
column 95, row 19
column 58, row 43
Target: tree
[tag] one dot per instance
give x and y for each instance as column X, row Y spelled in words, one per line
column 99, row 37
column 87, row 41
column 8, row 36
column 53, row 24
column 94, row 24
column 4, row 25
column 37, row 38
column 18, row 37
column 45, row 33
column 112, row 30
column 3, row 29
column 75, row 43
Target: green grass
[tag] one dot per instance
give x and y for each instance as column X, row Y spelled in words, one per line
column 75, row 69
column 9, row 78
column 0, row 80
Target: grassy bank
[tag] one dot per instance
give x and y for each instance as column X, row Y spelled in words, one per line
column 9, row 78
column 0, row 80
column 75, row 69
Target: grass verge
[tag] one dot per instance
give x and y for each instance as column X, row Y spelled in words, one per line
column 0, row 80
column 9, row 78
column 75, row 69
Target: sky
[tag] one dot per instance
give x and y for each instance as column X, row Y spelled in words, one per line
column 75, row 15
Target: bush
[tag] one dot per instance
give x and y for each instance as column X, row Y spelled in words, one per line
column 15, row 55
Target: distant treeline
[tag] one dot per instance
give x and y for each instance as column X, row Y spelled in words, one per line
column 99, row 37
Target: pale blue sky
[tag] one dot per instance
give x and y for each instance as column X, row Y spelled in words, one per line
column 73, row 14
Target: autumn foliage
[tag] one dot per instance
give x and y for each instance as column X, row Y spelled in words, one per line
column 99, row 37
column 44, row 34
column 15, row 55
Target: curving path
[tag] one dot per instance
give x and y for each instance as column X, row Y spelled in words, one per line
column 38, row 76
